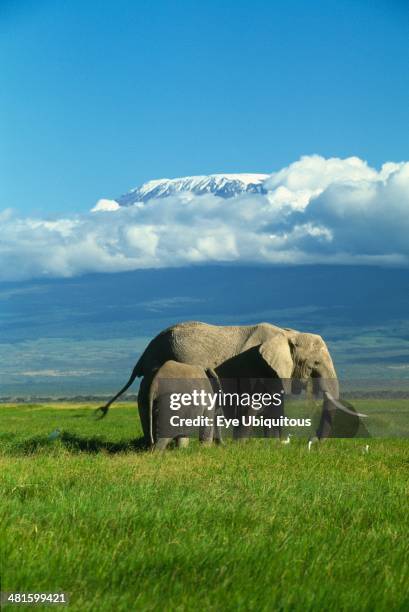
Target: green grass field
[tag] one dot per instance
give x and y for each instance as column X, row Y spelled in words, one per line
column 256, row 526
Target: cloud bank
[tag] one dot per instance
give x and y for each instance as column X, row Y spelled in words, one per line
column 316, row 210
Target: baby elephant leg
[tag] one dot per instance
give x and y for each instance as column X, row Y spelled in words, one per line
column 183, row 442
column 206, row 435
column 162, row 444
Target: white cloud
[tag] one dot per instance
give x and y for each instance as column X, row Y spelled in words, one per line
column 315, row 173
column 106, row 205
column 316, row 210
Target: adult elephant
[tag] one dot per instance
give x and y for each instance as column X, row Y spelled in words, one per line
column 247, row 350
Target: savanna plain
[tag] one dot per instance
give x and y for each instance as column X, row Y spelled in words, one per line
column 247, row 526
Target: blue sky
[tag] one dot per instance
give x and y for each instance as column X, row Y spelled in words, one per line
column 100, row 96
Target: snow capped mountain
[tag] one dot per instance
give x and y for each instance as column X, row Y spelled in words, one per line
column 222, row 185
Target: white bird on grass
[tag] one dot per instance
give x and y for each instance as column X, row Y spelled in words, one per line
column 366, row 449
column 312, row 441
column 54, row 434
column 287, row 440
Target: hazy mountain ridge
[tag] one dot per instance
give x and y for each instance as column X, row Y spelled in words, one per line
column 81, row 336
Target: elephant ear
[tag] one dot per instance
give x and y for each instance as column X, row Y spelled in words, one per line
column 276, row 353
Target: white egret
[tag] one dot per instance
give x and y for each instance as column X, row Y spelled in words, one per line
column 311, row 442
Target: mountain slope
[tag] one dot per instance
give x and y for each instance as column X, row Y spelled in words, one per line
column 222, row 185
column 82, row 335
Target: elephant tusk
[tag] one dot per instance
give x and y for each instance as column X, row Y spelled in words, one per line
column 344, row 408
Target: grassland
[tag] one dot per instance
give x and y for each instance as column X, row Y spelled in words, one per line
column 256, row 526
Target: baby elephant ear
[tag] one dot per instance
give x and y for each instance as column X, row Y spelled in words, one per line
column 276, row 353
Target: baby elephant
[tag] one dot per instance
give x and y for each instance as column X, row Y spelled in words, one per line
column 179, row 391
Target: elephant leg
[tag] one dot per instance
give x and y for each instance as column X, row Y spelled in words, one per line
column 217, row 433
column 206, row 435
column 143, row 406
column 182, row 442
column 242, row 432
column 272, row 432
column 274, row 413
column 162, row 444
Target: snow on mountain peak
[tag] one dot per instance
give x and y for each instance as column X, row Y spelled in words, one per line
column 222, row 185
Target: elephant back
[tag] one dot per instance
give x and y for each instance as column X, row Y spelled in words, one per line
column 200, row 344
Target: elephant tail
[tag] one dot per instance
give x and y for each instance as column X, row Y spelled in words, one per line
column 104, row 409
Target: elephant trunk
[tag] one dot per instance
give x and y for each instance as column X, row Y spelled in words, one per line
column 331, row 403
column 327, row 384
